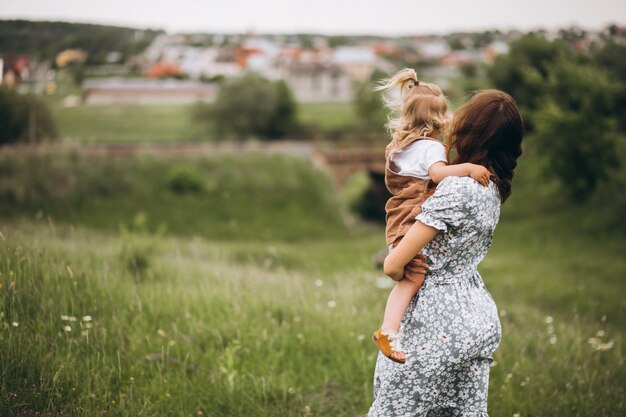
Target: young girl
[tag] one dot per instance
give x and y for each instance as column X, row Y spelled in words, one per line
column 415, row 162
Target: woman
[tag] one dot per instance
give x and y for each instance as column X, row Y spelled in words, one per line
column 451, row 327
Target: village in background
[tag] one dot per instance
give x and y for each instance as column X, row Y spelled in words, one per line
column 184, row 68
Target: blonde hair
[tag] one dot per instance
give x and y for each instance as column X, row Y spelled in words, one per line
column 420, row 110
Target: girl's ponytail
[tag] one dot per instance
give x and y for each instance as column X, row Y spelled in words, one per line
column 401, row 78
column 417, row 111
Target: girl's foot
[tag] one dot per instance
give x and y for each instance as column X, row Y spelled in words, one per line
column 388, row 343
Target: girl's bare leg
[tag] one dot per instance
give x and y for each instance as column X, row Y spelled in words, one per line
column 398, row 302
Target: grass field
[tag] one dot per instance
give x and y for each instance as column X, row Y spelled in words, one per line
column 168, row 123
column 142, row 322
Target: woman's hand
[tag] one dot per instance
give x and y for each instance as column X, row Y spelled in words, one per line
column 418, row 264
column 408, row 249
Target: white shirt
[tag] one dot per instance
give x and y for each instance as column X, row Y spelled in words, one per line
column 417, row 157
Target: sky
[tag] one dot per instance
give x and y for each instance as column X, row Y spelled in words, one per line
column 387, row 17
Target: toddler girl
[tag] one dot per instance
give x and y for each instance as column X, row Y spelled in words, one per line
column 415, row 162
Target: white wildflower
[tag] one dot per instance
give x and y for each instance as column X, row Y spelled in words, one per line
column 319, row 282
column 599, row 345
column 360, row 337
column 549, row 319
column 67, row 328
column 553, row 340
column 161, row 332
column 15, row 324
column 600, row 333
column 87, row 318
column 332, row 304
column 64, row 317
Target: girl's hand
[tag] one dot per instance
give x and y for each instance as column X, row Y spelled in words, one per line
column 480, row 174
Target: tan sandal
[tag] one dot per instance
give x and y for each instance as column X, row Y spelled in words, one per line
column 389, row 345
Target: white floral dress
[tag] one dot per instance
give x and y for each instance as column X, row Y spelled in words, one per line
column 451, row 327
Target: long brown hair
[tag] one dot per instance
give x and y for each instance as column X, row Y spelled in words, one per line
column 488, row 130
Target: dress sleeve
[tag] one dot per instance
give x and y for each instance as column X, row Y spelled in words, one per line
column 447, row 206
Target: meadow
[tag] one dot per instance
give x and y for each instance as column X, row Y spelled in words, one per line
column 141, row 287
column 169, row 123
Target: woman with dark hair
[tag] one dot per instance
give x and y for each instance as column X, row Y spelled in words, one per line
column 451, row 327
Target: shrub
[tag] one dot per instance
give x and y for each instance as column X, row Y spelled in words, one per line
column 575, row 129
column 184, row 179
column 250, row 106
column 368, row 105
column 24, row 118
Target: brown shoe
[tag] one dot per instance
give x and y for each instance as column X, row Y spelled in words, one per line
column 387, row 344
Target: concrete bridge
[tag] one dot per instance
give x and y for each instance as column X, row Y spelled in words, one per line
column 343, row 163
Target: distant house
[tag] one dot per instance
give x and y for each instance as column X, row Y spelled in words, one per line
column 314, row 82
column 142, row 91
column 68, row 56
column 358, row 62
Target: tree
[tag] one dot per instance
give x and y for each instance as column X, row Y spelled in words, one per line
column 368, row 104
column 524, row 70
column 24, row 118
column 575, row 127
column 251, row 106
column 612, row 57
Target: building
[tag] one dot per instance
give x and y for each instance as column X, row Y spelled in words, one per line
column 142, row 91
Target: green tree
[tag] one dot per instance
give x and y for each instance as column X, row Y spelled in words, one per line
column 24, row 118
column 250, row 106
column 612, row 57
column 523, row 72
column 575, row 128
column 368, row 105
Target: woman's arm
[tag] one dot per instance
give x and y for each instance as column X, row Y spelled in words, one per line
column 414, row 241
column 440, row 170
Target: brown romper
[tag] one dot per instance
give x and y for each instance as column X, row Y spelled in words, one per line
column 408, row 194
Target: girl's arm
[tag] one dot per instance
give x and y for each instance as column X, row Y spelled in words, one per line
column 414, row 241
column 440, row 170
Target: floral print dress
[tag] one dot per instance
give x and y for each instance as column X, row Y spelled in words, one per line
column 451, row 327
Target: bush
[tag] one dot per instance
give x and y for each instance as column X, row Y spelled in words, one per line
column 24, row 118
column 524, row 70
column 250, row 106
column 575, row 129
column 185, row 179
column 368, row 105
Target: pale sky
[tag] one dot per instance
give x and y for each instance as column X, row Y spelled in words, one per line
column 387, row 17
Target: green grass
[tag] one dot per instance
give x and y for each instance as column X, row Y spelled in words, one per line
column 328, row 117
column 124, row 123
column 170, row 123
column 223, row 196
column 248, row 328
column 185, row 324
